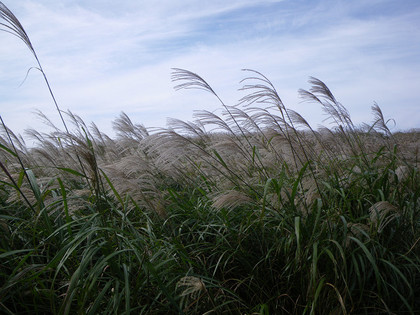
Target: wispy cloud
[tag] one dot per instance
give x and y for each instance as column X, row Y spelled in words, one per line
column 104, row 59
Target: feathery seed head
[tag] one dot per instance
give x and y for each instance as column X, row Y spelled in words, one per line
column 402, row 172
column 193, row 286
column 382, row 213
column 231, row 199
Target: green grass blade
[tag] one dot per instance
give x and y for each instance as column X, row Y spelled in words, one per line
column 298, row 235
column 14, row 252
column 371, row 260
column 93, row 310
column 127, row 289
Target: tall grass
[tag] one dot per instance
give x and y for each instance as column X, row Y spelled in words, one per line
column 248, row 212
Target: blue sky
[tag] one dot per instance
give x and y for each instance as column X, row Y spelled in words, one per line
column 103, row 57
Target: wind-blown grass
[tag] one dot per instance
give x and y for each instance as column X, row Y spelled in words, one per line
column 248, row 212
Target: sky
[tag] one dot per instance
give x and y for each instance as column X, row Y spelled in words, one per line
column 105, row 57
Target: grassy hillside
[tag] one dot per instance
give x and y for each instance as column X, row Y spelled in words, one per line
column 249, row 212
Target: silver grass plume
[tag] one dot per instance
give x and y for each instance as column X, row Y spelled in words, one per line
column 194, row 129
column 379, row 120
column 382, row 213
column 231, row 199
column 125, row 128
column 262, row 91
column 12, row 25
column 192, row 80
column 320, row 93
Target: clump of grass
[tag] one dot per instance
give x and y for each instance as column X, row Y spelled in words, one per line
column 250, row 211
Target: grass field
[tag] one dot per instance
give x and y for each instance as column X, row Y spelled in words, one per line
column 249, row 212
